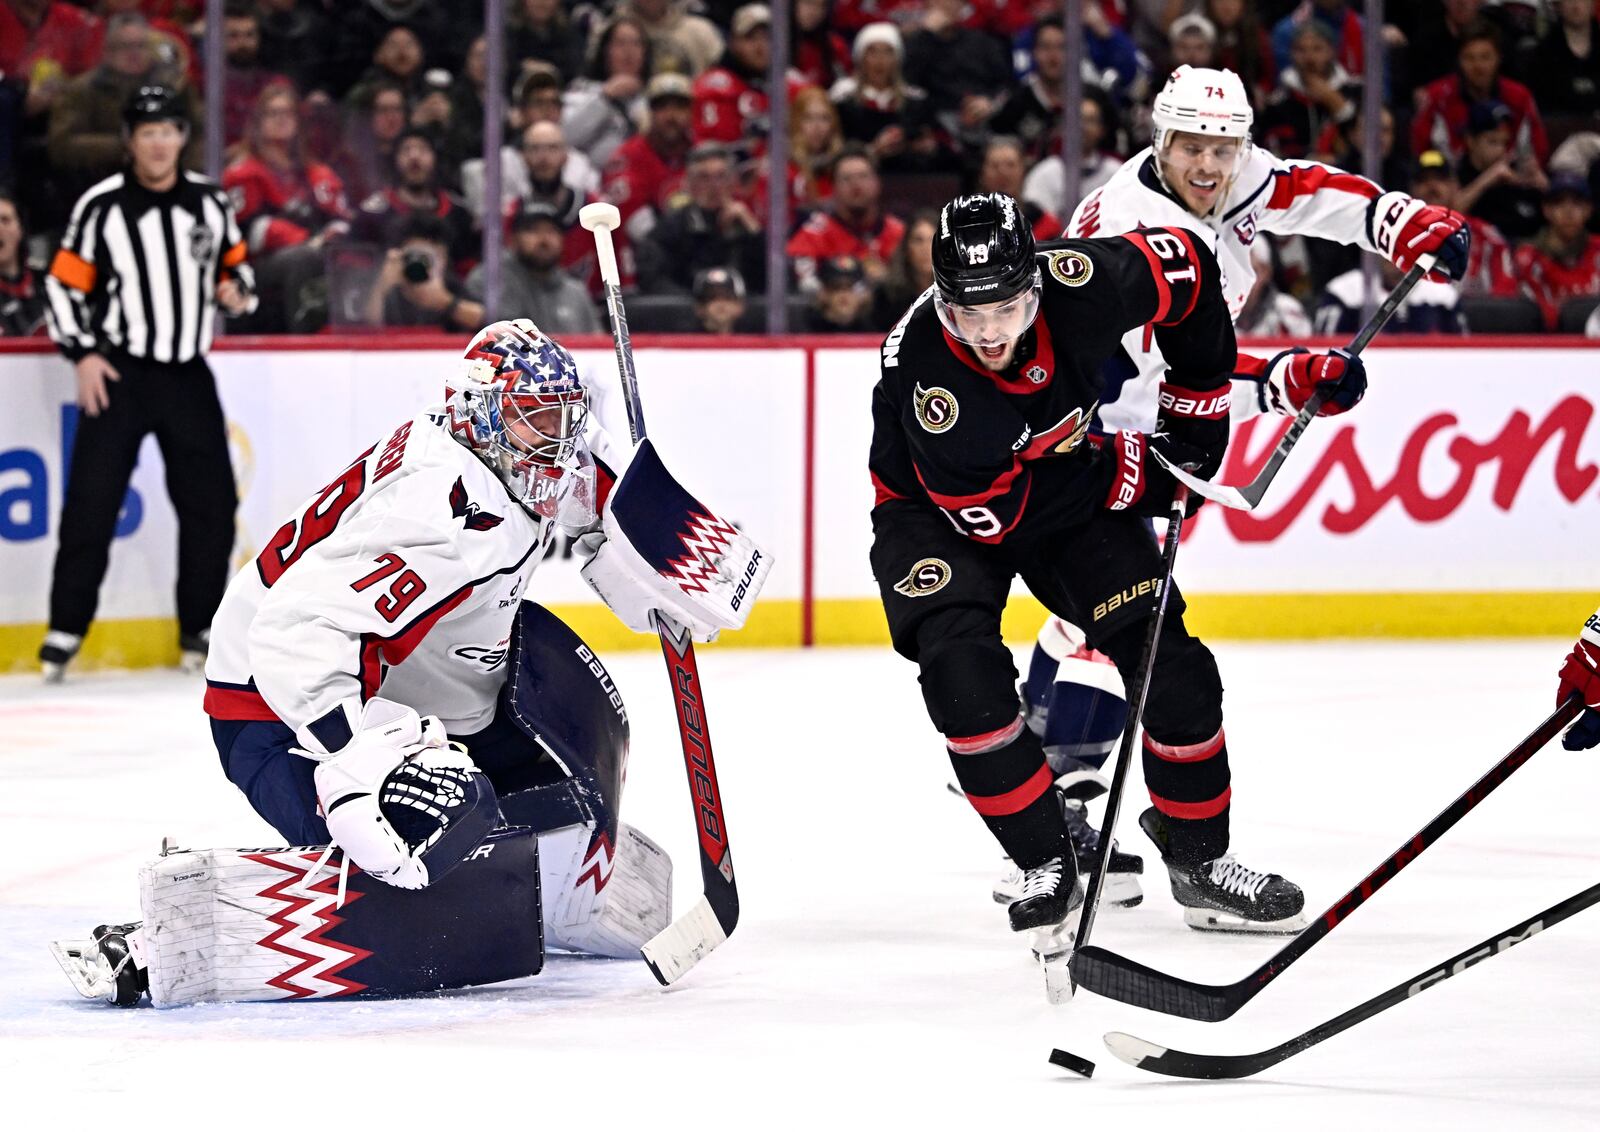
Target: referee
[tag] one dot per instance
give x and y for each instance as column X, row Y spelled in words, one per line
column 147, row 257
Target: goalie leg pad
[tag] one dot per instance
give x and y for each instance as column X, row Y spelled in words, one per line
column 605, row 896
column 557, row 747
column 240, row 925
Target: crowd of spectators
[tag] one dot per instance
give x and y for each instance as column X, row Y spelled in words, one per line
column 353, row 134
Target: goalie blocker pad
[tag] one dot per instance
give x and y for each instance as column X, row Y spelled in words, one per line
column 266, row 925
column 705, row 563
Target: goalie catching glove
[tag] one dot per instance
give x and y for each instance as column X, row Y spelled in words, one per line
column 660, row 550
column 400, row 801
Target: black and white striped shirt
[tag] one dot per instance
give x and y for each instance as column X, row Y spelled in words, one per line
column 138, row 270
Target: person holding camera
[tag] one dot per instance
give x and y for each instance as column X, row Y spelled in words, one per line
column 416, row 285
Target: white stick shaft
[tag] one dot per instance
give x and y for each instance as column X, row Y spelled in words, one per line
column 607, row 252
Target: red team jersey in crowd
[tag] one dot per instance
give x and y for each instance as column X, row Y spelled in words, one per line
column 825, row 236
column 637, row 176
column 1490, row 268
column 1441, row 121
column 279, row 208
column 1553, row 281
column 728, row 109
column 68, row 38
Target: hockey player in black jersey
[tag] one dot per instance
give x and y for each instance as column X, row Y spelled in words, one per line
column 984, row 469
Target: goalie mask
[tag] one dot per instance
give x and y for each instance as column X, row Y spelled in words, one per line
column 520, row 405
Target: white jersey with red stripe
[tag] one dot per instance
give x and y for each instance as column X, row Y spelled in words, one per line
column 401, row 577
column 1269, row 195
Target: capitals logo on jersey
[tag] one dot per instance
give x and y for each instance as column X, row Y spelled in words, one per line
column 477, row 519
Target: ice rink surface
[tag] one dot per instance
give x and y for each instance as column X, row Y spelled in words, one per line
column 871, row 982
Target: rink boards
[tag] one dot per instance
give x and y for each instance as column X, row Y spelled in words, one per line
column 1460, row 499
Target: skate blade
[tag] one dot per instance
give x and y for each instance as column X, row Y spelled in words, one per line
column 1211, row 920
column 53, row 673
column 1121, row 890
column 81, row 960
column 1052, row 948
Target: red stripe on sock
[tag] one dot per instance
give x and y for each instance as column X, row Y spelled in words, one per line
column 988, row 741
column 1014, row 801
column 1186, row 753
column 1193, row 811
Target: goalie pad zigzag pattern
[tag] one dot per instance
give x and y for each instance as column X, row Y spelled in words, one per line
column 302, row 923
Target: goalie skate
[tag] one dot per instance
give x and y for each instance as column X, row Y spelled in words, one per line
column 107, row 966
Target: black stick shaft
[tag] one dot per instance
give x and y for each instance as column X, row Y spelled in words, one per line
column 1177, row 1063
column 1258, row 486
column 1119, row 775
column 1106, row 973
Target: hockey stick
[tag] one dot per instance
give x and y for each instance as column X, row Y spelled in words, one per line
column 1246, row 498
column 1176, row 1063
column 1109, row 974
column 695, row 934
column 1097, row 878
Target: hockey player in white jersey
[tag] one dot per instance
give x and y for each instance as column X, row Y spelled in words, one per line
column 1202, row 173
column 378, row 683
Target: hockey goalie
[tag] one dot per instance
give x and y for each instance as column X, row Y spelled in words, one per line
column 447, row 755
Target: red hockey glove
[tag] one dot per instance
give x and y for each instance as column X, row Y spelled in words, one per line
column 1405, row 228
column 1580, row 676
column 1294, row 375
column 1137, row 483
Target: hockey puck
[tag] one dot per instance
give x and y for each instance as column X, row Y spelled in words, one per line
column 1079, row 1065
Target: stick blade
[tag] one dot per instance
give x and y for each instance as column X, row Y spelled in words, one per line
column 1216, row 492
column 1113, row 976
column 1175, row 1063
column 675, row 950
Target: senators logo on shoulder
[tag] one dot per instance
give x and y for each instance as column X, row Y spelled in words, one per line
column 1071, row 268
column 928, row 576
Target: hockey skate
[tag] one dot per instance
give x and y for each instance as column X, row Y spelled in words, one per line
column 1122, row 870
column 192, row 650
column 107, row 966
column 1224, row 896
column 56, row 653
column 1051, row 892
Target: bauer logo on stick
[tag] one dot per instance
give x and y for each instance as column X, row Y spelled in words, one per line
column 928, row 576
column 936, row 408
column 1071, row 268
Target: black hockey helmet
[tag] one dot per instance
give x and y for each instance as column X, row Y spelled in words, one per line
column 983, row 254
column 154, row 103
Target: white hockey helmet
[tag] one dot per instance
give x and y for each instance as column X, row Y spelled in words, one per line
column 1204, row 101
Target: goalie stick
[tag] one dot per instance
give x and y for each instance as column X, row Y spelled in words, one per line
column 695, row 934
column 1114, row 976
column 1247, row 497
column 1214, row 1067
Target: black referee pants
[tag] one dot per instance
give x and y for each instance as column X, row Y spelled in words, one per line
column 177, row 402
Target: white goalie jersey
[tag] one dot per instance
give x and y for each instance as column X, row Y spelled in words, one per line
column 402, row 576
column 1269, row 195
